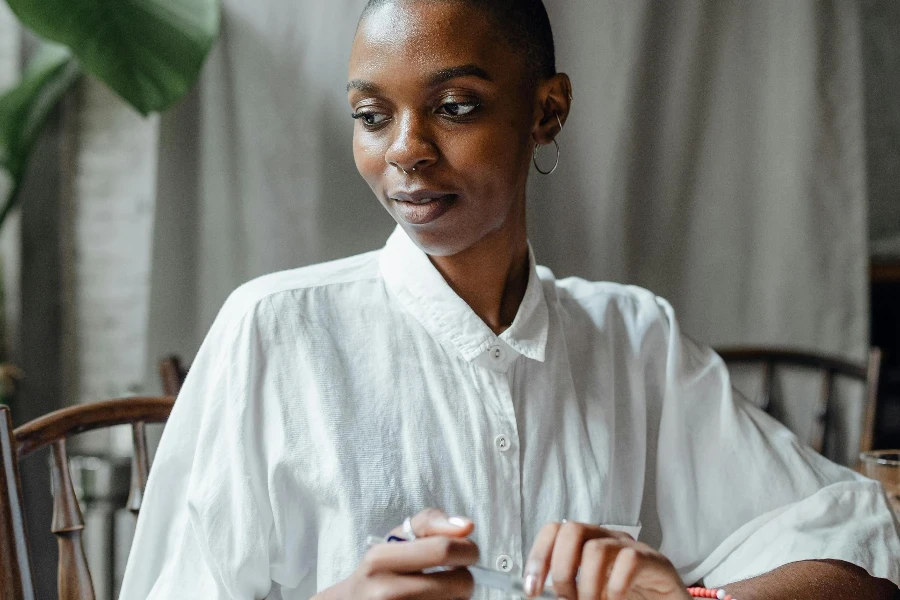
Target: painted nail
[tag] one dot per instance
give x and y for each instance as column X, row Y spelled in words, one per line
column 460, row 522
column 531, row 582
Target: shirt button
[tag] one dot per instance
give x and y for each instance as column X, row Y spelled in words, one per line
column 504, row 563
column 502, row 443
column 496, row 353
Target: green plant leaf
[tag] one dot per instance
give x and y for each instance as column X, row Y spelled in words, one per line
column 25, row 108
column 148, row 51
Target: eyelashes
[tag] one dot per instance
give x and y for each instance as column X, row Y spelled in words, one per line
column 459, row 109
column 369, row 118
column 372, row 120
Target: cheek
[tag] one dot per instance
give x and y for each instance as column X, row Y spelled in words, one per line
column 369, row 158
column 494, row 158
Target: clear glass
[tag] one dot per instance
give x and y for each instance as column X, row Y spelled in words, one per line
column 884, row 465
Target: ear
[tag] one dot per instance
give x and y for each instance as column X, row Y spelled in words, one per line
column 554, row 99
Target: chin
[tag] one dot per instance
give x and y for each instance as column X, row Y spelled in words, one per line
column 439, row 241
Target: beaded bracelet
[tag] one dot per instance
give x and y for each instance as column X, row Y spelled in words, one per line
column 701, row 592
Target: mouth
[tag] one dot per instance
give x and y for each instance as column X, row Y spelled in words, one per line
column 422, row 206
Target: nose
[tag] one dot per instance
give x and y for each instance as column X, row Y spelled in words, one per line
column 413, row 146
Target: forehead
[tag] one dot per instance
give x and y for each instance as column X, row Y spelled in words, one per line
column 409, row 37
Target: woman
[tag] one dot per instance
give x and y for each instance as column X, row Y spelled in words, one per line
column 329, row 403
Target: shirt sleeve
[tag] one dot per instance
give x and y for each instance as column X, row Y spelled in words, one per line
column 737, row 495
column 204, row 528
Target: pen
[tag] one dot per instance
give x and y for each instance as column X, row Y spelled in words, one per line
column 489, row 578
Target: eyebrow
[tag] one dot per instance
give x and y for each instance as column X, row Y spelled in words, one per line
column 437, row 78
column 366, row 87
column 445, row 75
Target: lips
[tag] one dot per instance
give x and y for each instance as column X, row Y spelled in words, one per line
column 420, row 207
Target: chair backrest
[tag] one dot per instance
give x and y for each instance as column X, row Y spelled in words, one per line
column 173, row 374
column 830, row 368
column 53, row 430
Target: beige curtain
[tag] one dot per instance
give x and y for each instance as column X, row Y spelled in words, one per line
column 715, row 156
column 881, row 51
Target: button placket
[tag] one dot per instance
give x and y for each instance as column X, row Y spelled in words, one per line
column 508, row 517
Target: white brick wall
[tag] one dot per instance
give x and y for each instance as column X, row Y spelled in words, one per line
column 110, row 233
column 112, row 221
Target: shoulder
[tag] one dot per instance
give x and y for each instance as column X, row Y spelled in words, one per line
column 259, row 296
column 606, row 301
column 638, row 322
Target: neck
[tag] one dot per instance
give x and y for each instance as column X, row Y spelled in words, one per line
column 491, row 276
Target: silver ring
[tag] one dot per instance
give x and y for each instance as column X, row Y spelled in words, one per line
column 408, row 531
column 564, row 521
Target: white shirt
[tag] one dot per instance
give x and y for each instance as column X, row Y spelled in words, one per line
column 328, row 403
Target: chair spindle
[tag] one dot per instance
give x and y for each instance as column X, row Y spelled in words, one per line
column 873, row 371
column 15, row 570
column 817, row 440
column 768, row 370
column 140, row 466
column 74, row 578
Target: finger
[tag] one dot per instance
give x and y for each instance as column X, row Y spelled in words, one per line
column 567, row 552
column 598, row 559
column 426, row 553
column 433, row 521
column 623, row 573
column 538, row 565
column 566, row 558
column 446, row 585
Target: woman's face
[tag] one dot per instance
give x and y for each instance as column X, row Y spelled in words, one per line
column 445, row 117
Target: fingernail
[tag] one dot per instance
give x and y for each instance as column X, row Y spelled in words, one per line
column 531, row 582
column 460, row 522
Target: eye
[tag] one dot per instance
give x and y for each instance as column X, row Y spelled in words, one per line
column 370, row 119
column 458, row 109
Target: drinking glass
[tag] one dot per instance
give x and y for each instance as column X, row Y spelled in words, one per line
column 884, row 466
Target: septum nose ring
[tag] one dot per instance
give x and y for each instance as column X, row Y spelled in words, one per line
column 405, row 172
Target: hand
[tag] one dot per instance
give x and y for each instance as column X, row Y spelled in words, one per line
column 394, row 571
column 609, row 565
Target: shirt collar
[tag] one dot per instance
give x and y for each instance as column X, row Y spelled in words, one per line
column 422, row 290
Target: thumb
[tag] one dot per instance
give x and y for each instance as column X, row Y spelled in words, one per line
column 433, row 521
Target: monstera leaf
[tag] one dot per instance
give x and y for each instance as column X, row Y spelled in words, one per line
column 148, row 51
column 24, row 110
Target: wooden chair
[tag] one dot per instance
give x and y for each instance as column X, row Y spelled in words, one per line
column 54, row 429
column 173, row 374
column 830, row 368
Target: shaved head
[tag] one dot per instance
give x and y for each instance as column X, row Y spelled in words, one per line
column 523, row 24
